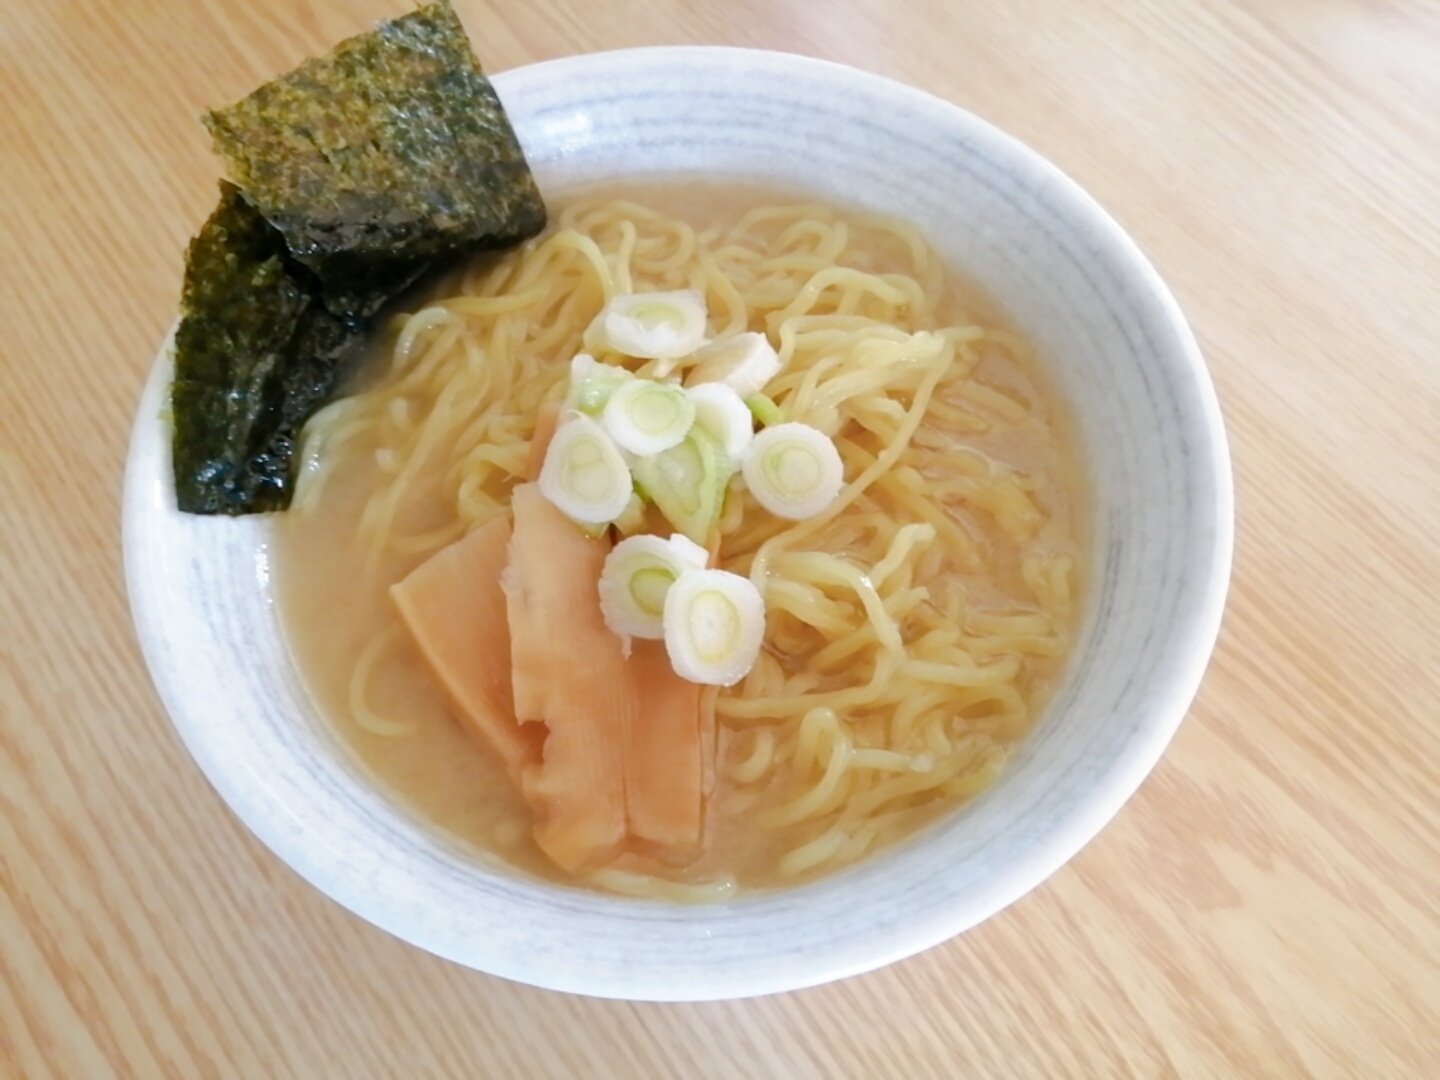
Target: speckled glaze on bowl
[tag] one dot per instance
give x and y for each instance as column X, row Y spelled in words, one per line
column 1162, row 527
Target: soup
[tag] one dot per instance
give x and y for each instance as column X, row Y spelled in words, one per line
column 912, row 631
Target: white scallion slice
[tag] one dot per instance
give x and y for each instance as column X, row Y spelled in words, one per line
column 714, row 624
column 637, row 576
column 654, row 326
column 687, row 482
column 793, row 470
column 592, row 383
column 744, row 362
column 647, row 417
column 584, row 474
column 722, row 414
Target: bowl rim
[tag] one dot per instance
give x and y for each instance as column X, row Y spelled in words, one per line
column 1045, row 854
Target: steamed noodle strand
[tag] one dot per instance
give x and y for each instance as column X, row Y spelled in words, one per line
column 909, row 623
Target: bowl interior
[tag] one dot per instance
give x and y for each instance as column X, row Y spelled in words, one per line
column 1118, row 350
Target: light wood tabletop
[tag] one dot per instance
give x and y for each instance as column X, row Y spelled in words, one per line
column 1268, row 905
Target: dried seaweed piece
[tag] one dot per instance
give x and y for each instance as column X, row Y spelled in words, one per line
column 255, row 354
column 391, row 151
column 357, row 174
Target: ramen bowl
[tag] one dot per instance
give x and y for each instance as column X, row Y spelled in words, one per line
column 1117, row 350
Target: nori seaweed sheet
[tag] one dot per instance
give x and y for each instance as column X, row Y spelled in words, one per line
column 256, row 354
column 387, row 153
column 354, row 176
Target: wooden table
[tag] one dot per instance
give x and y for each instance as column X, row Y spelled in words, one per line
column 1267, row 906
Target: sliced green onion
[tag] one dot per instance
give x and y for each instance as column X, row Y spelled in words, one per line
column 654, row 326
column 714, row 624
column 584, row 474
column 647, row 417
column 637, row 576
column 687, row 482
column 765, row 411
column 793, row 470
column 744, row 362
column 592, row 383
column 631, row 520
column 721, row 413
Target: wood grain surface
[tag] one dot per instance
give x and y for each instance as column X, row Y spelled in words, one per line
column 1267, row 906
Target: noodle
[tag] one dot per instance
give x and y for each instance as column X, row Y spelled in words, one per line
column 758, row 763
column 910, row 624
column 650, row 887
column 360, row 709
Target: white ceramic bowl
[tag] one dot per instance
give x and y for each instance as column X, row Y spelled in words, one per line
column 1150, row 426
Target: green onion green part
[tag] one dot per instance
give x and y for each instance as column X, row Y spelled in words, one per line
column 592, row 383
column 765, row 411
column 687, row 483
